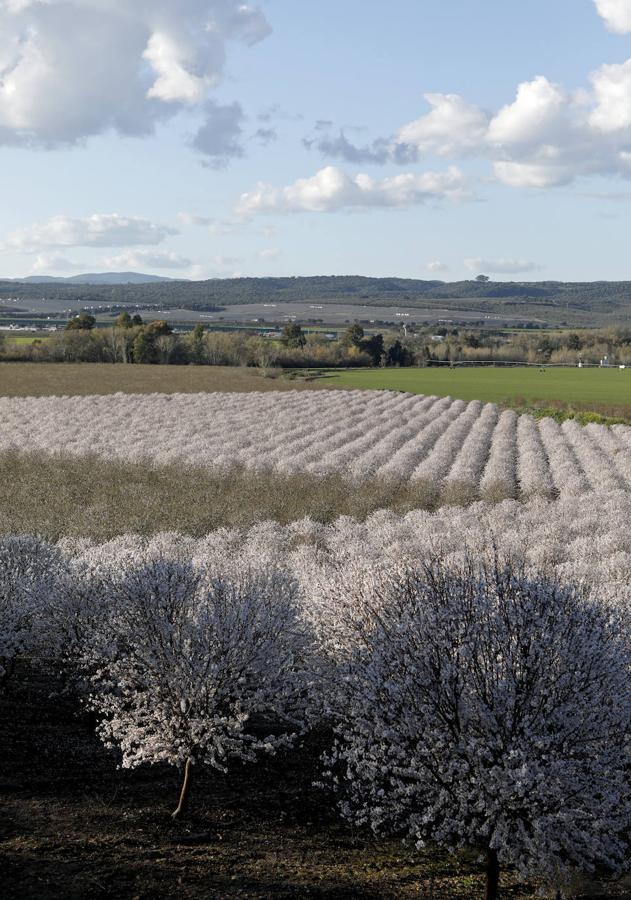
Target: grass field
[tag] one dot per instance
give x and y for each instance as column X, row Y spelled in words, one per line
column 55, row 496
column 603, row 391
column 25, row 338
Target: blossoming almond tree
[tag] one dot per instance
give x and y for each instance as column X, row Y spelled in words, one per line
column 492, row 711
column 27, row 569
column 201, row 671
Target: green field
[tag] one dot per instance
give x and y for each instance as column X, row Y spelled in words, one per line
column 23, row 340
column 604, row 391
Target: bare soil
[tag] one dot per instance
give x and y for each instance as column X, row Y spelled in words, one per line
column 74, row 826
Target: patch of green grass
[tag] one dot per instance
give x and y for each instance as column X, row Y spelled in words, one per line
column 23, row 340
column 605, row 392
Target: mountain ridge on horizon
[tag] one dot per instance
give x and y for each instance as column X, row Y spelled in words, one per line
column 94, row 278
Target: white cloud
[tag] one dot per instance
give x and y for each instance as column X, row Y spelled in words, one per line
column 226, row 262
column 331, row 189
column 501, row 266
column 616, row 13
column 612, row 93
column 546, row 137
column 70, row 69
column 190, row 220
column 269, row 254
column 95, row 231
column 436, row 265
column 452, row 128
column 146, row 259
column 535, row 117
column 49, row 262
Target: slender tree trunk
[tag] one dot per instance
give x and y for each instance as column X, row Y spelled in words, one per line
column 492, row 875
column 184, row 792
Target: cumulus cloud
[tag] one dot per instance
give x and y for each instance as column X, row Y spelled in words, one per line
column 141, row 259
column 501, row 266
column 95, row 231
column 453, row 127
column 546, row 137
column 616, row 13
column 612, row 93
column 332, row 189
column 535, row 117
column 70, row 69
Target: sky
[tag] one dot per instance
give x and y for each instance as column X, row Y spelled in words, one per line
column 433, row 139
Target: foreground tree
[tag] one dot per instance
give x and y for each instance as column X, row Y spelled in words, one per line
column 200, row 671
column 486, row 710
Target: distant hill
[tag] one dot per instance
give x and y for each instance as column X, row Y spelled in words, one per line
column 550, row 302
column 95, row 278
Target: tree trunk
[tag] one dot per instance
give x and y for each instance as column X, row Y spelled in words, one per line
column 184, row 792
column 492, row 875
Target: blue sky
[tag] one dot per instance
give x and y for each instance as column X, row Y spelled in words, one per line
column 208, row 138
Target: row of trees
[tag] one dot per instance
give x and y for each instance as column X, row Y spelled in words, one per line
column 131, row 340
column 561, row 348
column 470, row 707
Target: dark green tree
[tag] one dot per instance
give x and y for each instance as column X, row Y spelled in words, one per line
column 398, row 355
column 144, row 348
column 574, row 342
column 159, row 327
column 353, row 336
column 82, row 322
column 293, row 336
column 373, row 346
column 198, row 345
column 124, row 320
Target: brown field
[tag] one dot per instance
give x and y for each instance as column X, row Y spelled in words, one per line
column 42, row 379
column 61, row 495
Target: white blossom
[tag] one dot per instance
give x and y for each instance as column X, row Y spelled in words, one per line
column 462, row 449
column 485, row 709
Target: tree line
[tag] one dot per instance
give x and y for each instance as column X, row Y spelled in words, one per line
column 131, row 340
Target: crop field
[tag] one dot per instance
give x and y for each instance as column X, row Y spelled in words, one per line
column 461, row 451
